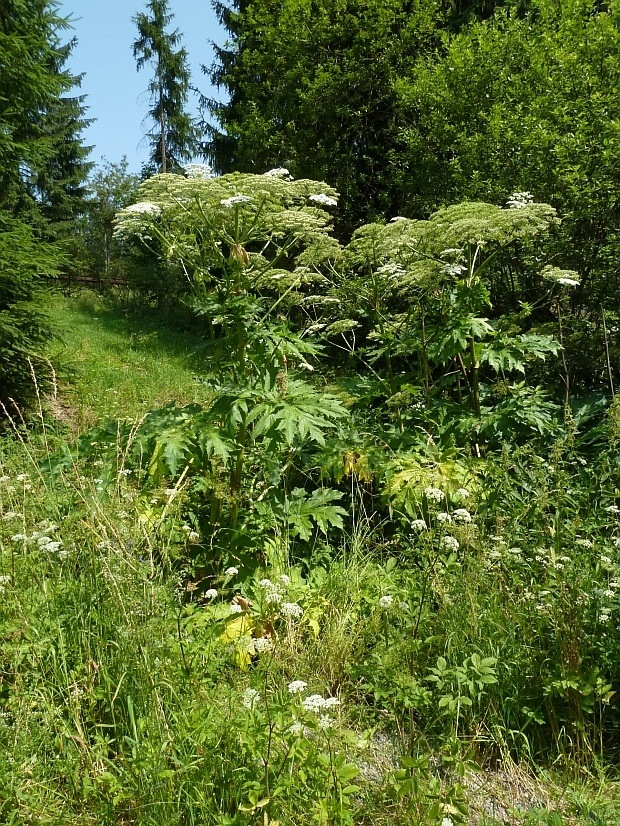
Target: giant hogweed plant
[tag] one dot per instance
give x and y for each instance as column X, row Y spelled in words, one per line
column 251, row 247
column 421, row 291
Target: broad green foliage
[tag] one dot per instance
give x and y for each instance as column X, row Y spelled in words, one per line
column 422, row 290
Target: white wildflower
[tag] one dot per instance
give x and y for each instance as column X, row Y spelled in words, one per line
column 434, row 494
column 605, row 560
column 229, row 203
column 584, row 543
column 285, row 579
column 266, row 583
column 4, row 479
column 385, row 601
column 279, row 172
column 518, row 200
column 453, row 270
column 461, row 515
column 23, row 477
column 198, row 170
column 211, row 593
column 298, row 729
column 325, row 722
column 232, row 571
column 193, row 536
column 418, row 525
column 273, row 598
column 444, row 517
column 297, row 686
column 262, row 645
column 324, row 200
column 52, row 547
column 144, row 208
column 9, row 515
column 462, row 493
column 613, row 509
column 450, row 543
column 609, row 593
column 314, row 703
column 568, row 282
column 331, row 702
column 235, row 608
column 447, row 821
column 292, row 610
column 19, row 537
column 397, row 218
column 250, row 697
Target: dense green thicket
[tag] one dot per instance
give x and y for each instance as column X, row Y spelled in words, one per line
column 42, row 167
column 407, row 107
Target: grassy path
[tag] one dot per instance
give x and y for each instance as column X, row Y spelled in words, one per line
column 116, row 364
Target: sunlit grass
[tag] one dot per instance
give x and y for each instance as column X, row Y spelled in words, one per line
column 119, row 364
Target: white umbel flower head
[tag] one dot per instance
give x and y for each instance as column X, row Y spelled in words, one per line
column 229, row 203
column 461, row 515
column 518, row 200
column 444, row 517
column 143, row 208
column 211, row 593
column 279, row 172
column 418, row 525
column 323, row 200
column 291, row 610
column 198, row 170
column 434, row 494
column 262, row 645
column 449, row 543
column 297, row 686
column 385, row 601
column 232, row 571
column 250, row 697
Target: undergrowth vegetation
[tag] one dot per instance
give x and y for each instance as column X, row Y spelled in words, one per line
column 371, row 571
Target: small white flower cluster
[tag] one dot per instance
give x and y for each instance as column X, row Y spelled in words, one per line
column 235, row 608
column 518, row 200
column 449, row 543
column 317, row 703
column 444, row 517
column 45, row 543
column 9, row 516
column 229, row 203
column 462, row 493
column 144, row 208
column 565, row 281
column 262, row 645
column 211, row 593
column 297, row 686
column 279, row 172
column 419, row 525
column 291, row 610
column 232, row 571
column 391, row 270
column 397, row 218
column 250, row 697
column 5, row 580
column 613, row 509
column 198, row 170
column 386, row 601
column 461, row 515
column 323, row 200
column 584, row 543
column 434, row 494
column 453, row 270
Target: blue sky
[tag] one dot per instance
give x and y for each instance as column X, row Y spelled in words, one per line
column 116, row 92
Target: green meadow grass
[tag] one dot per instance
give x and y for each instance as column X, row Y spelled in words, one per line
column 115, row 361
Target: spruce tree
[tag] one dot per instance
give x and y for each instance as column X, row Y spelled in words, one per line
column 174, row 135
column 32, row 84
